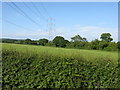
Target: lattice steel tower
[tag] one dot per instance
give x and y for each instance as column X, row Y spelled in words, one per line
column 51, row 27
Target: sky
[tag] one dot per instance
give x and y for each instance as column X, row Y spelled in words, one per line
column 32, row 20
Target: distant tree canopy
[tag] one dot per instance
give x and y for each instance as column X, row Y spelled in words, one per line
column 77, row 38
column 76, row 42
column 59, row 41
column 43, row 41
column 106, row 37
column 95, row 44
column 28, row 41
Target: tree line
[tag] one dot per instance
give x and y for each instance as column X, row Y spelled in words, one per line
column 76, row 42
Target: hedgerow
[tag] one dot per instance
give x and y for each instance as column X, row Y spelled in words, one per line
column 24, row 70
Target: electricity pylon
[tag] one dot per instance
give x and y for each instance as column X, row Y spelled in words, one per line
column 51, row 27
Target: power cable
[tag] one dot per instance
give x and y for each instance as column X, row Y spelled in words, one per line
column 25, row 15
column 14, row 24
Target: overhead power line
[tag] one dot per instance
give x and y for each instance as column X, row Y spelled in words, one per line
column 15, row 24
column 45, row 10
column 50, row 21
column 40, row 14
column 25, row 15
column 49, row 16
column 37, row 14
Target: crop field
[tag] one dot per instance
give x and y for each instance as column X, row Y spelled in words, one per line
column 28, row 66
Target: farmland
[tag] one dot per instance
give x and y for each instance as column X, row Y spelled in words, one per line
column 28, row 66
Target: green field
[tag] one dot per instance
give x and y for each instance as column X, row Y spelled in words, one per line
column 28, row 66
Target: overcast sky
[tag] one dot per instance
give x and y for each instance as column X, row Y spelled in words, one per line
column 88, row 19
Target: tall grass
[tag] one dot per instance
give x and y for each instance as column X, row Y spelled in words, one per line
column 89, row 55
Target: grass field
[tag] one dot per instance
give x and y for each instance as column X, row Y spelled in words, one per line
column 30, row 66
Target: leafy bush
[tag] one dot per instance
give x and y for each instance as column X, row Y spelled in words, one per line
column 111, row 47
column 23, row 70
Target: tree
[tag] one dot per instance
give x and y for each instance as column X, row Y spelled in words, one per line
column 59, row 41
column 78, row 41
column 111, row 47
column 43, row 41
column 34, row 42
column 66, row 41
column 118, row 45
column 28, row 41
column 78, row 38
column 103, row 44
column 84, row 39
column 106, row 37
column 50, row 43
column 95, row 44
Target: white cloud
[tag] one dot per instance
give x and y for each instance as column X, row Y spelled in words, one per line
column 90, row 32
column 102, row 23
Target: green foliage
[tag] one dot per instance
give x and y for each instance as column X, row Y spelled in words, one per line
column 27, row 66
column 111, row 47
column 103, row 44
column 59, row 41
column 106, row 37
column 43, row 41
column 78, row 38
column 95, row 44
column 50, row 43
column 118, row 45
column 28, row 41
column 77, row 42
column 8, row 40
column 34, row 42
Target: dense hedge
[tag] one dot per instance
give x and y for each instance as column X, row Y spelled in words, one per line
column 76, row 42
column 22, row 70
